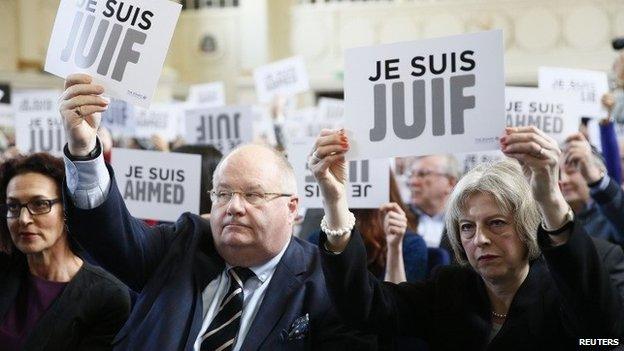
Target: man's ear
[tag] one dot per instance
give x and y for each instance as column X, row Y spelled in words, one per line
column 293, row 208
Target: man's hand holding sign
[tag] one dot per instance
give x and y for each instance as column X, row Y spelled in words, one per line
column 81, row 106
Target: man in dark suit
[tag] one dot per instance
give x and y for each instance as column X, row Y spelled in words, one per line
column 238, row 282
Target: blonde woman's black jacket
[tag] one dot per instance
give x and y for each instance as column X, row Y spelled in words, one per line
column 566, row 296
column 87, row 314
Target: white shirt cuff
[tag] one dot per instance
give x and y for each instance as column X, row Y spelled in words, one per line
column 88, row 181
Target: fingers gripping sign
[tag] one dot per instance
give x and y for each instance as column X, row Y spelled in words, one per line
column 81, row 105
column 327, row 163
column 538, row 154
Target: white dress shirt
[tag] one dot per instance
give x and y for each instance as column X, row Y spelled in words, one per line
column 253, row 294
column 88, row 183
column 430, row 227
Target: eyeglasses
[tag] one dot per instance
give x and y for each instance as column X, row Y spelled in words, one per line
column 425, row 173
column 35, row 207
column 222, row 197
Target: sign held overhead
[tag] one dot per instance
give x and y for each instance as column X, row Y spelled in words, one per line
column 122, row 44
column 425, row 97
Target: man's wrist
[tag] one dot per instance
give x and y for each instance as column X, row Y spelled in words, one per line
column 82, row 156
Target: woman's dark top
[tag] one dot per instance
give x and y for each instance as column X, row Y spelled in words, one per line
column 85, row 314
column 30, row 304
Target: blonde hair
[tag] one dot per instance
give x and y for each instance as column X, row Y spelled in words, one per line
column 505, row 181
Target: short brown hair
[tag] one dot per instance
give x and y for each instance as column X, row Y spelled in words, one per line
column 41, row 163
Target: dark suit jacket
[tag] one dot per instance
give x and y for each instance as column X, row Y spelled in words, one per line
column 612, row 258
column 606, row 221
column 85, row 316
column 567, row 295
column 172, row 264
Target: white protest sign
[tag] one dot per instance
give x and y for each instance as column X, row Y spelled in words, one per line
column 587, row 86
column 157, row 185
column 425, row 97
column 262, row 125
column 38, row 124
column 284, row 78
column 368, row 181
column 209, row 95
column 331, row 109
column 552, row 112
column 469, row 160
column 121, row 44
column 118, row 118
column 224, row 128
column 296, row 123
column 159, row 119
column 308, row 122
column 619, row 130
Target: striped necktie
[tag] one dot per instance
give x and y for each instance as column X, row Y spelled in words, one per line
column 221, row 334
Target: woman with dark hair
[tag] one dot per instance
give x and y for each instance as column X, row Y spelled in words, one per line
column 50, row 298
column 394, row 252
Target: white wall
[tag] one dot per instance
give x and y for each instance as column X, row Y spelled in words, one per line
column 572, row 33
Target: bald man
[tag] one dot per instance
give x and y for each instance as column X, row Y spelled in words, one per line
column 238, row 282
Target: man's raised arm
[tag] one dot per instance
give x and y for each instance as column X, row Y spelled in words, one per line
column 81, row 105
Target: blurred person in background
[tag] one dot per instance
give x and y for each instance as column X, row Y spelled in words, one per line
column 596, row 199
column 614, row 100
column 210, row 159
column 431, row 180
